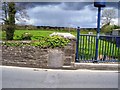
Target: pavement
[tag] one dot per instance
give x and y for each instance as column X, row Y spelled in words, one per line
column 22, row 77
column 97, row 66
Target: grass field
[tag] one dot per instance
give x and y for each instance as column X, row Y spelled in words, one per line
column 37, row 33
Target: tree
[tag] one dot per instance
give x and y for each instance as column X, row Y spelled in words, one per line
column 10, row 22
column 107, row 16
column 10, row 12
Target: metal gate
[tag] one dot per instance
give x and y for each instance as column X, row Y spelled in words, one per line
column 108, row 48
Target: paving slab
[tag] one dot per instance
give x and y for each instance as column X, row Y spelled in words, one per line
column 96, row 66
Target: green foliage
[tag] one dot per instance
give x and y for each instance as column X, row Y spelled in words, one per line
column 52, row 42
column 17, row 37
column 11, row 43
column 3, row 34
column 56, row 41
column 26, row 36
column 107, row 28
column 116, row 27
column 43, row 42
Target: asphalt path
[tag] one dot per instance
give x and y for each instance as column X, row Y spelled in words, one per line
column 17, row 77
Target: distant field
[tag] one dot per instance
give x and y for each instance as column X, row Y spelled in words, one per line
column 37, row 33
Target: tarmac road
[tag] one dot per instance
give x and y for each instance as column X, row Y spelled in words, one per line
column 17, row 77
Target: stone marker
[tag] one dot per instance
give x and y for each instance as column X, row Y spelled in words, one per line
column 56, row 58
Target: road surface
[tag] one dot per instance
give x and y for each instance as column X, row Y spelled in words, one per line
column 16, row 77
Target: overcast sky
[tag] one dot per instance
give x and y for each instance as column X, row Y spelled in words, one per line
column 68, row 14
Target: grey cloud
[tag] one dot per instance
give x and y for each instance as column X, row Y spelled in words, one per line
column 67, row 5
column 55, row 16
column 64, row 14
column 46, row 3
column 75, row 5
column 112, row 4
column 35, row 4
column 119, row 12
column 64, row 5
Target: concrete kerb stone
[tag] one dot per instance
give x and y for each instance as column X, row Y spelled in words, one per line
column 91, row 66
column 97, row 66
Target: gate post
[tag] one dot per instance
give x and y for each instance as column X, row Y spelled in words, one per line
column 97, row 37
column 77, row 45
column 99, row 4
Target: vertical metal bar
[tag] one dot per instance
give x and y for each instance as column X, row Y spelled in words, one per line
column 103, row 49
column 98, row 49
column 100, row 44
column 83, row 48
column 107, row 49
column 115, row 50
column 80, row 48
column 97, row 38
column 113, row 54
column 94, row 47
column 105, row 54
column 91, row 47
column 81, row 39
column 118, row 54
column 103, row 43
column 88, row 48
column 77, row 45
column 110, row 50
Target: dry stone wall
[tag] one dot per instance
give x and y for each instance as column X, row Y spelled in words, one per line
column 31, row 56
column 24, row 56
